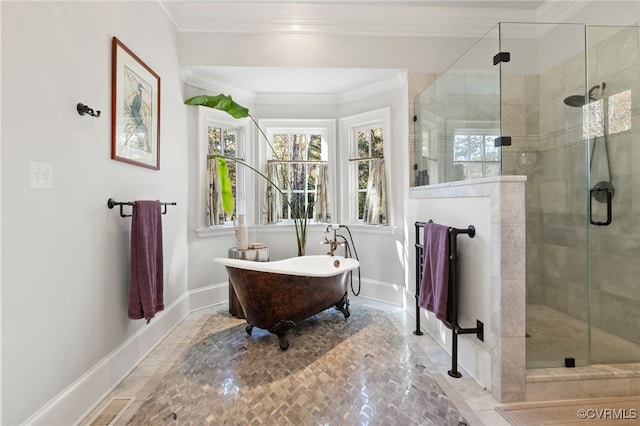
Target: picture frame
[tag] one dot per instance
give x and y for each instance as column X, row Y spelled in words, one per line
column 135, row 109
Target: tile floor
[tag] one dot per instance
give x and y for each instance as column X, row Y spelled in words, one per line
column 172, row 384
column 554, row 336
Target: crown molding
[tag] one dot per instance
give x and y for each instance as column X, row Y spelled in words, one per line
column 391, row 18
column 396, row 82
column 201, row 82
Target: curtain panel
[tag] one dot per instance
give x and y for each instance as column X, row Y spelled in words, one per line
column 375, row 205
column 215, row 213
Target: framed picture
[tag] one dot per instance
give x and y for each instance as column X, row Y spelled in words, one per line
column 135, row 109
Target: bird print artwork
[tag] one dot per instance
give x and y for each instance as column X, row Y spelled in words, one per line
column 137, row 111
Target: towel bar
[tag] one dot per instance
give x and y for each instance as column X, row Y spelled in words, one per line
column 111, row 204
column 456, row 329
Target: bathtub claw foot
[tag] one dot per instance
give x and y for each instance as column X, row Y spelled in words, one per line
column 343, row 306
column 280, row 330
column 248, row 329
column 283, row 341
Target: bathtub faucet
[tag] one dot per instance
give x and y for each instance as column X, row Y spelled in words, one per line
column 333, row 244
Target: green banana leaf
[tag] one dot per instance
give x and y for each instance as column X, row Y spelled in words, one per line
column 228, row 201
column 221, row 102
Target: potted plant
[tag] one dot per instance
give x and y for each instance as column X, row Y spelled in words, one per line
column 298, row 208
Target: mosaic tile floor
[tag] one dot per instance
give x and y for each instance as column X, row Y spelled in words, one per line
column 366, row 370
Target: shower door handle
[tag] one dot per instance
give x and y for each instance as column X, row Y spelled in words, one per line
column 595, row 191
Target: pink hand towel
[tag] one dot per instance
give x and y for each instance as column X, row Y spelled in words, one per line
column 146, row 269
column 434, row 287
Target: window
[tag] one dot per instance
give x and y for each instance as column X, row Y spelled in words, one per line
column 298, row 164
column 475, row 155
column 220, row 135
column 368, row 137
column 298, row 158
column 619, row 116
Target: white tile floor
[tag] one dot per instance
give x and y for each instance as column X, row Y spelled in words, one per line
column 476, row 404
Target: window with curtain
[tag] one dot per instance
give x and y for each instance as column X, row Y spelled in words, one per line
column 368, row 137
column 298, row 166
column 220, row 136
column 222, row 143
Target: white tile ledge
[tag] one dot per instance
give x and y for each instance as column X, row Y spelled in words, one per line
column 604, row 371
column 466, row 188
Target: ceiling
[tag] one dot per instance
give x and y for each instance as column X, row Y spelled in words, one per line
column 428, row 18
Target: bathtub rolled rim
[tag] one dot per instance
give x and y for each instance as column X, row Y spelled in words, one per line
column 307, row 266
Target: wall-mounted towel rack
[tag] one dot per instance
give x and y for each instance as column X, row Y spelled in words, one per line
column 111, row 204
column 456, row 329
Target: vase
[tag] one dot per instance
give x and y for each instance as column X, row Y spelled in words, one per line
column 242, row 234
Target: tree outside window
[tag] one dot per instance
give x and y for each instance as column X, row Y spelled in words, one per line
column 299, row 155
column 369, row 144
column 475, row 155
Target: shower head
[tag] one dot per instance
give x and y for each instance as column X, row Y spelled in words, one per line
column 579, row 101
column 575, row 101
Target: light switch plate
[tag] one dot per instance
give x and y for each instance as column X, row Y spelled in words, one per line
column 40, row 175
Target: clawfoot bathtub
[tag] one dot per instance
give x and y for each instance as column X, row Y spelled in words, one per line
column 277, row 295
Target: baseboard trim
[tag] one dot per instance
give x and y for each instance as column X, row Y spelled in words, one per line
column 211, row 295
column 83, row 395
column 380, row 291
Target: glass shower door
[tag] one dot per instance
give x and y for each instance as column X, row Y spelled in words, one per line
column 547, row 65
column 611, row 127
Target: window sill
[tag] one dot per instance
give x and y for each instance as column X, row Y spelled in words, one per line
column 222, row 231
column 215, row 231
column 372, row 229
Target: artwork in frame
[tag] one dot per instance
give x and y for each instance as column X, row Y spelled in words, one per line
column 135, row 109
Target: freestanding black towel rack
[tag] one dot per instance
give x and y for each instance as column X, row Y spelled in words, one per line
column 111, row 204
column 452, row 305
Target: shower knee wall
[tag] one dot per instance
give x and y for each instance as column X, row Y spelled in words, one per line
column 491, row 276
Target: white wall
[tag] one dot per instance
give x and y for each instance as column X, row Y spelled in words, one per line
column 64, row 253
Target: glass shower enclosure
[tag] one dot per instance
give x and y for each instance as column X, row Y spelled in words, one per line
column 559, row 103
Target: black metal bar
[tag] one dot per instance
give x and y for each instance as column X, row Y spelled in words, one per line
column 452, row 305
column 111, row 203
column 419, row 253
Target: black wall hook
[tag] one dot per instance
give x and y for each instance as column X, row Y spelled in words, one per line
column 83, row 109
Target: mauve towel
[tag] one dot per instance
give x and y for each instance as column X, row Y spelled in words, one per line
column 146, row 271
column 434, row 288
